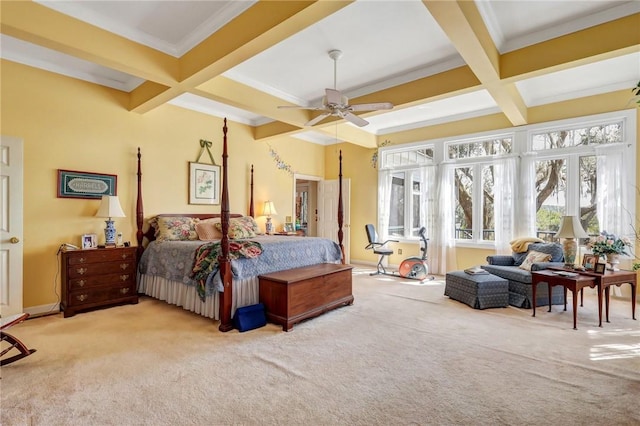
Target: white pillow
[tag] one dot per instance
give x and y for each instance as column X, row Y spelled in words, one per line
column 534, row 257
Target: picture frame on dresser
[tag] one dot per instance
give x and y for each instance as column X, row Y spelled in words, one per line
column 89, row 241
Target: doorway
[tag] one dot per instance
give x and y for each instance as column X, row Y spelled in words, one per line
column 306, row 205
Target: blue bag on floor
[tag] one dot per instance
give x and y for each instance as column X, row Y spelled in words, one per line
column 250, row 317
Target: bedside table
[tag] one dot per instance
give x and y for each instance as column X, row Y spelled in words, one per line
column 98, row 277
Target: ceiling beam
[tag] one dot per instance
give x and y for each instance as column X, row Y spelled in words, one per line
column 608, row 40
column 40, row 25
column 255, row 30
column 463, row 24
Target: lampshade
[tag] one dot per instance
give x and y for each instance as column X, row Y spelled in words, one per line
column 269, row 209
column 110, row 207
column 570, row 227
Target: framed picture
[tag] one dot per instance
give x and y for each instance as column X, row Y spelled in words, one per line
column 589, row 261
column 288, row 227
column 89, row 241
column 600, row 268
column 204, row 183
column 74, row 184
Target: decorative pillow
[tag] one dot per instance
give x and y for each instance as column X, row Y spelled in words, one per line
column 238, row 229
column 207, row 231
column 534, row 257
column 175, row 228
column 250, row 222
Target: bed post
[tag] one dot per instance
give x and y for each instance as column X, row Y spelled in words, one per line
column 340, row 212
column 226, row 296
column 139, row 210
column 251, row 212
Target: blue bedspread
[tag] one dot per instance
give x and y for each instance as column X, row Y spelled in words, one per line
column 173, row 260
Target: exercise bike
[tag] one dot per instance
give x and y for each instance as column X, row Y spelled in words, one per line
column 415, row 268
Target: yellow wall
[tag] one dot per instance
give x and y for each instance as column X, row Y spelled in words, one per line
column 70, row 124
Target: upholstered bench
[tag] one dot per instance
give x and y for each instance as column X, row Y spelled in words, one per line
column 480, row 291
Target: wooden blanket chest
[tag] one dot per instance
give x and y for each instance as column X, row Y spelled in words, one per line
column 293, row 295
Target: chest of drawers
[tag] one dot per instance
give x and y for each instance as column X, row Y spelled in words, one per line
column 97, row 277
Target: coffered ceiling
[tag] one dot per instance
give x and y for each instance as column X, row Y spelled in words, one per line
column 436, row 61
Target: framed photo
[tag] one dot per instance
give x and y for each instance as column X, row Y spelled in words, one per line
column 74, row 184
column 89, row 241
column 288, row 227
column 600, row 268
column 589, row 261
column 204, row 183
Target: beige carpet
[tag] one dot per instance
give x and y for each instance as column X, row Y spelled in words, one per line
column 402, row 354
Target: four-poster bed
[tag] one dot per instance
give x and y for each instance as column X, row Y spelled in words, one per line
column 165, row 266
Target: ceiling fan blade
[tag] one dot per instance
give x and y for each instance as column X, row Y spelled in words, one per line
column 333, row 96
column 371, row 107
column 317, row 119
column 360, row 122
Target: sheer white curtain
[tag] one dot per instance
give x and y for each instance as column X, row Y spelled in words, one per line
column 525, row 225
column 504, row 203
column 384, row 203
column 428, row 195
column 611, row 193
column 443, row 258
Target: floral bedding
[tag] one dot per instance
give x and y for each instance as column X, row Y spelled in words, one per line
column 174, row 260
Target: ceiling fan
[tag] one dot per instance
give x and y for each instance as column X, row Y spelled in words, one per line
column 336, row 104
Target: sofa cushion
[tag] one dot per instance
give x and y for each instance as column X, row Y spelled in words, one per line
column 511, row 273
column 533, row 257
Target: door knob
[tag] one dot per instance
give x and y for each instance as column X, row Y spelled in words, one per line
column 14, row 240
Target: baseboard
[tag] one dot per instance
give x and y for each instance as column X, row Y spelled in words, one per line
column 42, row 310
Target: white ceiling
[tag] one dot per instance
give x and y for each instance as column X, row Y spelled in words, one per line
column 385, row 43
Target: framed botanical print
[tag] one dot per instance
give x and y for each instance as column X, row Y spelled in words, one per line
column 204, row 183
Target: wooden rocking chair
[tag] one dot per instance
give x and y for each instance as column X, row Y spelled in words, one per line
column 13, row 342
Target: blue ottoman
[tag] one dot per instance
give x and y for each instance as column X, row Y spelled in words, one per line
column 479, row 291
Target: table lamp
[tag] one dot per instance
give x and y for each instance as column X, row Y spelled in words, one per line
column 268, row 210
column 110, row 207
column 570, row 229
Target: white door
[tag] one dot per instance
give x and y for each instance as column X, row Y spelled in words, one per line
column 328, row 212
column 10, row 226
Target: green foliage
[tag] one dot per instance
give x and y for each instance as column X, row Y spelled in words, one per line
column 548, row 219
column 636, row 92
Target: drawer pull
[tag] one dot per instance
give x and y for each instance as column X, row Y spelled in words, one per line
column 124, row 266
column 124, row 255
column 82, row 260
column 81, row 283
column 81, row 271
column 82, row 297
column 124, row 290
column 124, row 277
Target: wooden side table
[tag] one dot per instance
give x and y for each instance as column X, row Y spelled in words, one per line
column 574, row 283
column 617, row 278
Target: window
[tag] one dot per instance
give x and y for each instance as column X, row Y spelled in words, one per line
column 474, row 204
column 404, row 218
column 406, row 200
column 567, row 181
column 578, row 167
